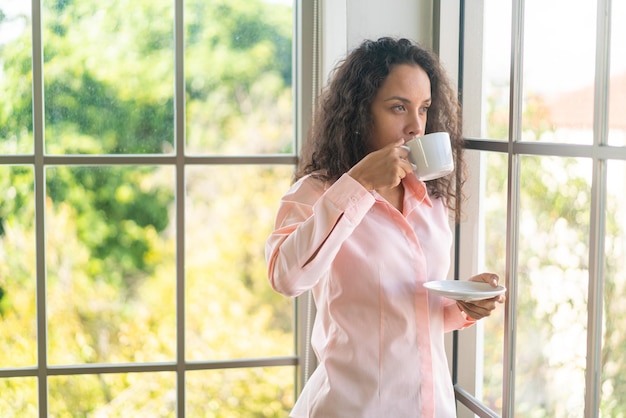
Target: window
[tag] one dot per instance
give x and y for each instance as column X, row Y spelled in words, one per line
column 541, row 96
column 144, row 146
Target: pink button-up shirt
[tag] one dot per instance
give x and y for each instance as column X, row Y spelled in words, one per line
column 378, row 335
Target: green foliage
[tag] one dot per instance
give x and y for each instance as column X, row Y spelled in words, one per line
column 117, row 67
column 111, row 125
column 118, row 212
column 17, row 397
column 223, row 394
column 17, row 269
column 16, row 196
column 238, row 81
column 16, row 117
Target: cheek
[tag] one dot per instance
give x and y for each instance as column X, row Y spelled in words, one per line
column 372, row 142
column 373, row 135
column 378, row 136
column 385, row 130
column 389, row 130
column 383, row 127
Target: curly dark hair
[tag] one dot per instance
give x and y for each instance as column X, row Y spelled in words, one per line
column 339, row 135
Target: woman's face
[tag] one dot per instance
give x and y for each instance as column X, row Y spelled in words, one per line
column 400, row 108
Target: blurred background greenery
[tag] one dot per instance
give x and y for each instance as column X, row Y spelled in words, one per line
column 109, row 77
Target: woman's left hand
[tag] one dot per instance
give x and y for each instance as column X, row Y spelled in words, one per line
column 478, row 309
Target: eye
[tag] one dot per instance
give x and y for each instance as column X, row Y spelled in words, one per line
column 424, row 109
column 399, row 107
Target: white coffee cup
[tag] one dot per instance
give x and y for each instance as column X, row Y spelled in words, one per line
column 432, row 155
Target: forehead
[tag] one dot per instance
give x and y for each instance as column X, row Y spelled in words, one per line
column 410, row 81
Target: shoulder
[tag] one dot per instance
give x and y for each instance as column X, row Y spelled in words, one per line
column 306, row 190
column 310, row 189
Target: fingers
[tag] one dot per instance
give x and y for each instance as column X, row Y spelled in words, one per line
column 385, row 168
column 402, row 152
column 405, row 168
column 398, row 149
column 398, row 143
column 490, row 278
column 478, row 309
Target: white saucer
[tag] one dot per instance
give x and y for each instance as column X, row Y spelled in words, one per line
column 464, row 290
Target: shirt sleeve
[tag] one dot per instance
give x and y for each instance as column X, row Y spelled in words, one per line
column 454, row 318
column 311, row 224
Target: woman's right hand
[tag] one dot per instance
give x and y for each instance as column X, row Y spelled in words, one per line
column 384, row 168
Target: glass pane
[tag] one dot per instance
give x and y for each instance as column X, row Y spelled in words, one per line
column 617, row 83
column 18, row 338
column 19, row 397
column 110, row 264
column 16, row 115
column 559, row 71
column 238, row 72
column 232, row 312
column 109, row 76
column 552, row 288
column 493, row 258
column 614, row 338
column 113, row 395
column 497, row 69
column 261, row 392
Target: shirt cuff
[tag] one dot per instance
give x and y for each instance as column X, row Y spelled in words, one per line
column 456, row 319
column 350, row 197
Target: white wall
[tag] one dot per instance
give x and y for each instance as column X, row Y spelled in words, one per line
column 375, row 18
column 346, row 23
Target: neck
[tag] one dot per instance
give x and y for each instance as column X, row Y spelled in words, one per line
column 394, row 196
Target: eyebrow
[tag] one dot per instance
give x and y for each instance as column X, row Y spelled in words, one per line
column 405, row 100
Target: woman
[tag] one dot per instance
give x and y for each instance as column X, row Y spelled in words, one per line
column 363, row 233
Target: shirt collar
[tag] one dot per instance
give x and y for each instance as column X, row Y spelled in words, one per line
column 418, row 193
column 415, row 193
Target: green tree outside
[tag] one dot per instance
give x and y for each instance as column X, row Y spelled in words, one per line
column 110, row 230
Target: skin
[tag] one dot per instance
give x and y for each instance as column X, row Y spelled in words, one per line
column 399, row 113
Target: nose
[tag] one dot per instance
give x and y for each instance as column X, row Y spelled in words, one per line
column 416, row 124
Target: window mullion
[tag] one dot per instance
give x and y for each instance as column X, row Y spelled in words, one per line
column 179, row 146
column 308, row 73
column 40, row 207
column 512, row 239
column 593, row 370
